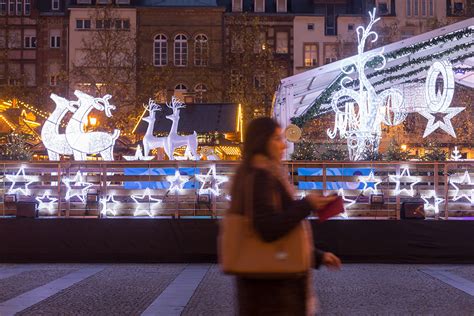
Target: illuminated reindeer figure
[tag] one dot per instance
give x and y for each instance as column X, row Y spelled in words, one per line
column 150, row 141
column 83, row 143
column 53, row 141
column 174, row 140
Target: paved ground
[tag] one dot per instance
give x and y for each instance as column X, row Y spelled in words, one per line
column 200, row 289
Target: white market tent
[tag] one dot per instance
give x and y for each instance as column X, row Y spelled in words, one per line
column 407, row 61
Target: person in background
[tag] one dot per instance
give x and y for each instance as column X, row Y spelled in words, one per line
column 274, row 213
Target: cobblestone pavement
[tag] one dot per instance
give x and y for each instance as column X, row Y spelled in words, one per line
column 129, row 289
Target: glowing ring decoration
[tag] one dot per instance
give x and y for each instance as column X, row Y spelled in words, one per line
column 439, row 103
column 393, row 107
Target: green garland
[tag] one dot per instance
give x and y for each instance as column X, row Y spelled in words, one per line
column 324, row 98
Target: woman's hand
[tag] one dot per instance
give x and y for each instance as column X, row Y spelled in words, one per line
column 331, row 261
column 319, row 202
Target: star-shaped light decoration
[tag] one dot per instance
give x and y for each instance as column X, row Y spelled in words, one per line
column 176, row 182
column 152, row 202
column 445, row 125
column 370, row 179
column 138, row 155
column 210, row 182
column 413, row 180
column 464, row 180
column 46, row 205
column 20, row 177
column 347, row 202
column 432, row 205
column 103, row 202
column 78, row 182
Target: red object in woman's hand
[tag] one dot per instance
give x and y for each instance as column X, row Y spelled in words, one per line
column 332, row 209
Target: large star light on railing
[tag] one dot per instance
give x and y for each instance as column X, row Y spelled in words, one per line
column 78, row 182
column 146, row 199
column 370, row 179
column 105, row 209
column 210, row 182
column 412, row 180
column 176, row 182
column 432, row 201
column 20, row 176
column 49, row 205
column 464, row 180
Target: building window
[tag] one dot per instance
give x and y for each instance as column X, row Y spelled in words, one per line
column 408, row 7
column 55, row 40
column 122, row 1
column 282, row 42
column 329, row 60
column 84, row 1
column 310, row 55
column 431, row 7
column 103, row 24
column 160, row 50
column 122, row 24
column 104, row 1
column 310, row 26
column 11, row 7
column 415, row 8
column 55, row 5
column 180, row 90
column 350, row 27
column 237, row 5
column 53, row 80
column 3, row 7
column 180, row 50
column 82, row 24
column 19, row 7
column 383, row 8
column 30, row 42
column 27, row 8
column 200, row 90
column 259, row 5
column 201, row 50
column 423, row 7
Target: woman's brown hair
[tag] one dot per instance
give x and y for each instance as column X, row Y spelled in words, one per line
column 257, row 136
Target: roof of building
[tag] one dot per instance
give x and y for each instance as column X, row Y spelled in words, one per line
column 297, row 94
column 202, row 118
column 178, row 3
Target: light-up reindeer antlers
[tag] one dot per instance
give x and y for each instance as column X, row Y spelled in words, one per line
column 152, row 106
column 176, row 104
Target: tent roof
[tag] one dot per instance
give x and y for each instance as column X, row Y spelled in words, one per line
column 296, row 94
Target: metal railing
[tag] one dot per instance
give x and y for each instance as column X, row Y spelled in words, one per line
column 374, row 190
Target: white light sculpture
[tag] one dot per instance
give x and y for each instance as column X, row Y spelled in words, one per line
column 405, row 174
column 210, row 182
column 150, row 141
column 176, row 182
column 370, row 178
column 20, row 177
column 83, row 143
column 347, row 202
column 103, row 202
column 464, row 180
column 46, row 205
column 456, row 155
column 174, row 140
column 364, row 110
column 445, row 125
column 152, row 202
column 54, row 142
column 138, row 155
column 78, row 182
column 432, row 205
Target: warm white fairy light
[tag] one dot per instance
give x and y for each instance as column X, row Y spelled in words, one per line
column 370, row 179
column 105, row 209
column 464, row 180
column 78, row 182
column 46, row 205
column 176, row 182
column 149, row 200
column 20, row 176
column 210, row 182
column 432, row 201
column 408, row 179
column 138, row 155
